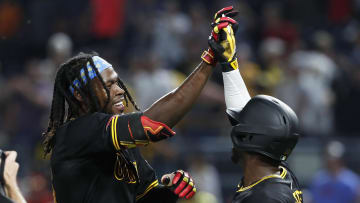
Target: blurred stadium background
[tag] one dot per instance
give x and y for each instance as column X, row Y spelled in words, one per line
column 305, row 52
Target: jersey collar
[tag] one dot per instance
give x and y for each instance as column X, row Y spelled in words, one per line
column 282, row 175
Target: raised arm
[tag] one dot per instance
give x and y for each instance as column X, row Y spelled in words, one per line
column 173, row 106
column 236, row 93
column 224, row 48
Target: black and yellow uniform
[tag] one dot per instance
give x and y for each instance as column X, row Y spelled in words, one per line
column 95, row 159
column 274, row 188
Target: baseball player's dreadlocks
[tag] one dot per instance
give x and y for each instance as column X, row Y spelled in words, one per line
column 67, row 73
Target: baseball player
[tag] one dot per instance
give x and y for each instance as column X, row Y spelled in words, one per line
column 94, row 145
column 265, row 131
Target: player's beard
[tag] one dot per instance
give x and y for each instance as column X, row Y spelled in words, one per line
column 236, row 156
column 108, row 108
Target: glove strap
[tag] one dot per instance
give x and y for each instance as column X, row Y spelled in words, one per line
column 229, row 66
column 208, row 57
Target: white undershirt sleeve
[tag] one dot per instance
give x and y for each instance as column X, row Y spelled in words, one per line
column 236, row 93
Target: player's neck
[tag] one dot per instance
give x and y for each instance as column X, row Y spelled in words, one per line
column 83, row 110
column 255, row 170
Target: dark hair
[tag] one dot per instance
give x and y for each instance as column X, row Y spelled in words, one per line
column 67, row 73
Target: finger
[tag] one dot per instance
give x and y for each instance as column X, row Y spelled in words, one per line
column 232, row 14
column 10, row 155
column 223, row 11
column 223, row 20
column 230, row 37
column 214, row 35
column 7, row 152
column 233, row 41
column 223, row 37
column 226, row 19
column 227, row 43
column 220, row 26
column 187, row 189
column 215, row 46
column 184, row 182
column 227, row 33
column 179, row 174
column 191, row 194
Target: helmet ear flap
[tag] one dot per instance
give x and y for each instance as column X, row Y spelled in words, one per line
column 238, row 139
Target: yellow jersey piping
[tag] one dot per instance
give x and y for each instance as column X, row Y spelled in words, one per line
column 150, row 187
column 282, row 176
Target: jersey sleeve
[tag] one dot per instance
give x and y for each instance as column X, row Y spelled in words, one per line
column 100, row 132
column 132, row 130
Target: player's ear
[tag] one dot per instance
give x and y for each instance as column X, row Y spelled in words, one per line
column 77, row 95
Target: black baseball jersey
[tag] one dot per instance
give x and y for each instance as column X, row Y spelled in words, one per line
column 95, row 160
column 275, row 188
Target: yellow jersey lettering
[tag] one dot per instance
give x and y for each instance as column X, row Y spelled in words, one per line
column 297, row 195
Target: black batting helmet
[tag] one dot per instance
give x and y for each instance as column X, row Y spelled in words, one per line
column 266, row 126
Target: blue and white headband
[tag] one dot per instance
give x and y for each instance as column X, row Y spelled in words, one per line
column 99, row 63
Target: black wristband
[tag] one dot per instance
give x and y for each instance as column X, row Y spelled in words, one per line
column 229, row 66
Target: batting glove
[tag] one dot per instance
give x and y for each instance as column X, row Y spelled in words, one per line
column 221, row 20
column 180, row 183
